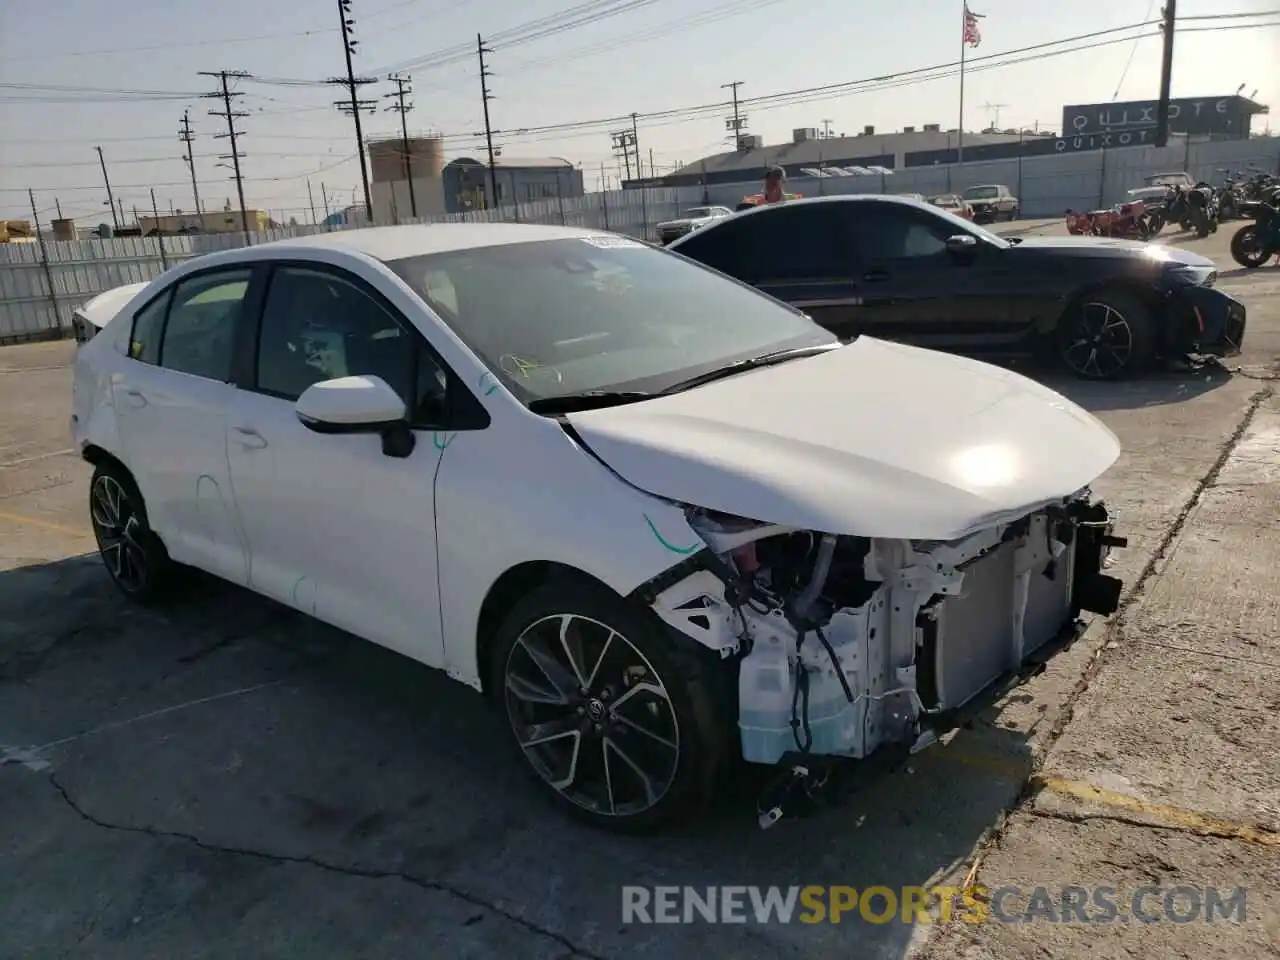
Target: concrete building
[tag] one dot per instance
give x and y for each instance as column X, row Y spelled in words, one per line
column 520, row 180
column 392, row 169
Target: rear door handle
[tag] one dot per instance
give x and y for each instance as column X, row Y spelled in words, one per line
column 136, row 398
column 250, row 438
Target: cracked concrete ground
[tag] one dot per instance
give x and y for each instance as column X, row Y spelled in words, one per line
column 225, row 778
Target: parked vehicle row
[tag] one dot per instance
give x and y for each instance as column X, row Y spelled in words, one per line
column 660, row 518
column 888, row 267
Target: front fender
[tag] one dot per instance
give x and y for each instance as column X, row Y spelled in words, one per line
column 523, row 491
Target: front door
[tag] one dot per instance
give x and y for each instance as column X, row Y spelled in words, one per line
column 336, row 527
column 171, row 400
column 912, row 290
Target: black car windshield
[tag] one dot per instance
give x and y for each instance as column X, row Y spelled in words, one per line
column 981, row 193
column 599, row 313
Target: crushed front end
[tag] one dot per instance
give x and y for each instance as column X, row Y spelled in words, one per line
column 845, row 645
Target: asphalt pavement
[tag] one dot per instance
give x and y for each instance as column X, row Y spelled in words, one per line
column 226, row 778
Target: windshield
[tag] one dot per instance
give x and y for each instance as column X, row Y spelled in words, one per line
column 981, row 193
column 557, row 317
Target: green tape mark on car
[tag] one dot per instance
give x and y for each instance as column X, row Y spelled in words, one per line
column 442, row 440
column 487, row 383
column 683, row 551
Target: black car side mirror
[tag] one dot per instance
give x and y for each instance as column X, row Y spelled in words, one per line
column 962, row 246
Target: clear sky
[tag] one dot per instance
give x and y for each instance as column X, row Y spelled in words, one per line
column 655, row 55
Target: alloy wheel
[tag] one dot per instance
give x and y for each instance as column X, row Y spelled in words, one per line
column 592, row 715
column 118, row 530
column 1101, row 343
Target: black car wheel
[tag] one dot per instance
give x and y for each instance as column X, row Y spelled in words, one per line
column 1247, row 248
column 132, row 553
column 609, row 712
column 1109, row 335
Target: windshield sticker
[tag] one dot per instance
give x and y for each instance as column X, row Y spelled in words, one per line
column 612, row 242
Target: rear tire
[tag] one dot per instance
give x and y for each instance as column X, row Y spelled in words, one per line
column 134, row 556
column 567, row 658
column 1107, row 335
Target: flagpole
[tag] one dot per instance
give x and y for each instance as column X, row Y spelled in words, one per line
column 963, row 32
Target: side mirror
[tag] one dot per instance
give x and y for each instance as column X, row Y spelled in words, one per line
column 357, row 405
column 962, row 246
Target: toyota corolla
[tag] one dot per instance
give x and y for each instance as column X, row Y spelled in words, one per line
column 659, row 518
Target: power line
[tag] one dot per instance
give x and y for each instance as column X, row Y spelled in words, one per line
column 187, row 137
column 401, row 107
column 226, row 95
column 354, row 105
column 485, row 97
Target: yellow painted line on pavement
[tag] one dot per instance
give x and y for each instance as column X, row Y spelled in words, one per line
column 43, row 524
column 1159, row 814
column 1164, row 814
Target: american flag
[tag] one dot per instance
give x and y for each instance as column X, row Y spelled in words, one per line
column 972, row 35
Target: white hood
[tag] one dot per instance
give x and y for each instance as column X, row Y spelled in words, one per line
column 873, row 439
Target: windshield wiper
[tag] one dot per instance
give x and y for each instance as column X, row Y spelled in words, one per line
column 751, row 363
column 586, row 400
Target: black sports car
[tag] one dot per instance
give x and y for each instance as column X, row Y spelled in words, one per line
column 903, row 270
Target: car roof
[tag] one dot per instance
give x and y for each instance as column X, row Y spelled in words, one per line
column 394, row 243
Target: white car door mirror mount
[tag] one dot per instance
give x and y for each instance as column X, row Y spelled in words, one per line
column 365, row 404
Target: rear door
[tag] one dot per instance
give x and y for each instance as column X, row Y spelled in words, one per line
column 171, row 401
column 796, row 253
column 911, row 289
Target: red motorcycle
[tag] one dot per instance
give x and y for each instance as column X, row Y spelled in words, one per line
column 1128, row 220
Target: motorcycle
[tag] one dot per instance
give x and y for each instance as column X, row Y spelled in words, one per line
column 1193, row 208
column 1229, row 196
column 1255, row 244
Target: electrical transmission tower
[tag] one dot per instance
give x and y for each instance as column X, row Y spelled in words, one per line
column 187, row 137
column 401, row 107
column 736, row 124
column 485, row 96
column 352, row 105
column 226, row 95
column 623, row 142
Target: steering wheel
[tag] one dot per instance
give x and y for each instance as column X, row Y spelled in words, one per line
column 523, row 367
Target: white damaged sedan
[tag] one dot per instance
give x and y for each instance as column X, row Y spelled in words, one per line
column 659, row 518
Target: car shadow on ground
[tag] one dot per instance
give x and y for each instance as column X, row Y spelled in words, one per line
column 238, row 723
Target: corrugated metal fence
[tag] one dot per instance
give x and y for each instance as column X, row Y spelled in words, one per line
column 31, row 310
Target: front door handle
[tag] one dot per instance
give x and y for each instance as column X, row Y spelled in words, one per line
column 876, row 276
column 250, row 438
column 136, row 398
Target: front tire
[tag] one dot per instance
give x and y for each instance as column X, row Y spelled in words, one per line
column 1109, row 335
column 615, row 718
column 1247, row 248
column 134, row 556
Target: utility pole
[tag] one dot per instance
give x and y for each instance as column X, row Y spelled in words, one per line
column 225, row 95
column 738, row 122
column 635, row 145
column 57, row 205
column 995, row 108
column 105, row 179
column 403, row 90
column 622, row 142
column 485, row 97
column 826, row 129
column 311, row 202
column 353, row 105
column 187, row 137
column 1166, row 73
